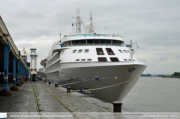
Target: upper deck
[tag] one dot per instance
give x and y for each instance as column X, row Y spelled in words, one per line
column 91, row 39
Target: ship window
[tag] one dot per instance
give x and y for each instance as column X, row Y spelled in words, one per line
column 109, row 42
column 89, row 59
column 77, row 59
column 96, row 41
column 82, row 59
column 109, row 51
column 90, row 42
column 102, row 41
column 125, row 51
column 79, row 51
column 86, row 50
column 74, row 51
column 99, row 51
column 114, row 59
column 125, row 59
column 120, row 51
column 114, row 42
column 102, row 59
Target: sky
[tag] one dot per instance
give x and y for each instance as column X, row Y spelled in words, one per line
column 153, row 24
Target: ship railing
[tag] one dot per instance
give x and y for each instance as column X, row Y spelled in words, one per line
column 89, row 44
column 100, row 62
column 93, row 35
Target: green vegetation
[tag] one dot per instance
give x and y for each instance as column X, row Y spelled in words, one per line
column 176, row 74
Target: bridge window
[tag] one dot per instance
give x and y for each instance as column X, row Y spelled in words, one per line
column 89, row 59
column 86, row 50
column 90, row 42
column 77, row 59
column 114, row 59
column 99, row 51
column 125, row 59
column 109, row 51
column 102, row 41
column 108, row 42
column 96, row 41
column 102, row 59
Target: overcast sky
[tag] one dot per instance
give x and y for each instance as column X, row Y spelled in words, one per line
column 153, row 24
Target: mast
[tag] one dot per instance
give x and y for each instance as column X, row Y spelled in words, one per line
column 78, row 21
column 60, row 25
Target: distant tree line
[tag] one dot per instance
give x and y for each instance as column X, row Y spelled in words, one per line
column 176, row 74
column 146, row 75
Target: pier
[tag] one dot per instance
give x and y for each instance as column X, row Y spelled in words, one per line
column 43, row 99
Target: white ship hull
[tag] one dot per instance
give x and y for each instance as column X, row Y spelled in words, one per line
column 112, row 83
column 101, row 63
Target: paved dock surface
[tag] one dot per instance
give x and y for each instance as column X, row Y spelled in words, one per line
column 40, row 99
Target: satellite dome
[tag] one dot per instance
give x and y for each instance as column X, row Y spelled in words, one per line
column 89, row 28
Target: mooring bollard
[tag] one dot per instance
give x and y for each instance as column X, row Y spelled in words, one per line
column 68, row 89
column 56, row 85
column 49, row 82
column 117, row 106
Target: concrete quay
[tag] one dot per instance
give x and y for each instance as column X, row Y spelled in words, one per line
column 39, row 98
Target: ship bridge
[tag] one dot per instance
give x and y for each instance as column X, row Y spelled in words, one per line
column 91, row 39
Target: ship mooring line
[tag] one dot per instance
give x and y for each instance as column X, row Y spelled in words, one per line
column 101, row 87
column 75, row 82
column 60, row 102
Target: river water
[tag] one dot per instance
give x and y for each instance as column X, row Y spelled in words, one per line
column 154, row 94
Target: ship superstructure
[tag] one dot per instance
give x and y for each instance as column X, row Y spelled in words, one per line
column 101, row 63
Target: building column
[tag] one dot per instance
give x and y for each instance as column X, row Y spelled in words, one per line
column 21, row 73
column 14, row 88
column 18, row 74
column 5, row 91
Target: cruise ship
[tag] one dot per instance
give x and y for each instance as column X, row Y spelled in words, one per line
column 90, row 61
